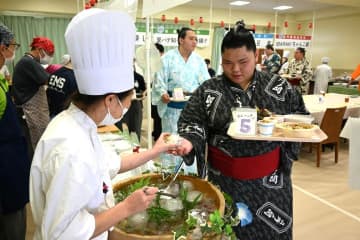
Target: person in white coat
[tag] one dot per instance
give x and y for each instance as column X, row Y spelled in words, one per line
column 71, row 195
column 284, row 63
column 322, row 76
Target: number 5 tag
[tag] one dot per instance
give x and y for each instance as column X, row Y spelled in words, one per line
column 245, row 119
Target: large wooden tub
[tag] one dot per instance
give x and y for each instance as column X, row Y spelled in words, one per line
column 199, row 184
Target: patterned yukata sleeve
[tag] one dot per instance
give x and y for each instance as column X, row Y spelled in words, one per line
column 204, row 72
column 160, row 86
column 306, row 73
column 297, row 105
column 160, row 83
column 297, row 102
column 192, row 126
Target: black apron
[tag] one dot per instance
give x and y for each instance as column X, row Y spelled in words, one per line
column 14, row 163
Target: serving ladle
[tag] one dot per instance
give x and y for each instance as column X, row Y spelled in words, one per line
column 165, row 191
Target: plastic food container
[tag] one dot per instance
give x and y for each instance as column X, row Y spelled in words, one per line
column 266, row 127
column 297, row 129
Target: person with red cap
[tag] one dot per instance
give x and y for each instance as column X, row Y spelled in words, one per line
column 29, row 78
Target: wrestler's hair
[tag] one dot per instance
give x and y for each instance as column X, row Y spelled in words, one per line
column 238, row 37
column 182, row 33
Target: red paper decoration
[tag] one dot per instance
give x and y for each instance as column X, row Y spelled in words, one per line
column 310, row 25
column 176, row 20
column 92, row 2
column 201, row 20
column 222, row 24
column 286, row 24
column 269, row 25
column 253, row 27
column 192, row 22
column 299, row 26
column 87, row 6
column 163, row 18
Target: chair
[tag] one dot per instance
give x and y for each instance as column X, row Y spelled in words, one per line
column 331, row 125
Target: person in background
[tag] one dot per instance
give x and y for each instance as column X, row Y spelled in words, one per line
column 355, row 76
column 181, row 68
column 71, row 192
column 51, row 68
column 154, row 112
column 322, row 76
column 14, row 163
column 256, row 174
column 211, row 71
column 272, row 60
column 300, row 67
column 29, row 80
column 284, row 63
column 61, row 86
column 65, row 59
column 133, row 117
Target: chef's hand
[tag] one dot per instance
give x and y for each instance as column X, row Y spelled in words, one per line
column 165, row 98
column 140, row 200
column 183, row 148
column 162, row 145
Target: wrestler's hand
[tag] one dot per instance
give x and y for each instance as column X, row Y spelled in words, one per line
column 165, row 98
column 184, row 147
column 163, row 145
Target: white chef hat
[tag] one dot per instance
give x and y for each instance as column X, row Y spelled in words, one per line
column 325, row 60
column 286, row 54
column 101, row 44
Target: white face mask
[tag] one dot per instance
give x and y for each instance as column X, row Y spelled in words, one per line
column 9, row 60
column 46, row 59
column 110, row 120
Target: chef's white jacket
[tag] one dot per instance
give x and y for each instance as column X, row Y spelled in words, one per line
column 68, row 172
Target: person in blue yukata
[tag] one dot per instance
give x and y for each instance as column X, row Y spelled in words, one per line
column 181, row 68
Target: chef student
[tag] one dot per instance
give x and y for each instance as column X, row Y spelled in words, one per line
column 70, row 184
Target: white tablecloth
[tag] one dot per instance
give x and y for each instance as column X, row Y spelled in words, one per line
column 351, row 131
column 317, row 104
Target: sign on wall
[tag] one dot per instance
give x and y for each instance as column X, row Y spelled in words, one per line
column 168, row 36
column 262, row 40
column 282, row 41
column 292, row 41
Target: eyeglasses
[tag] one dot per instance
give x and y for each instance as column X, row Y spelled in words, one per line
column 17, row 45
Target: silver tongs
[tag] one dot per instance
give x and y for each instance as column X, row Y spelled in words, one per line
column 165, row 191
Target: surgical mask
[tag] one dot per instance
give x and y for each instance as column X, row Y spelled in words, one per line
column 46, row 59
column 9, row 60
column 110, row 120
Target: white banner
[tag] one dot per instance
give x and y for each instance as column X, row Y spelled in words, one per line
column 168, row 37
column 262, row 40
column 292, row 41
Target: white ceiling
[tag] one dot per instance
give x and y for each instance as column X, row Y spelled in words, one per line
column 267, row 5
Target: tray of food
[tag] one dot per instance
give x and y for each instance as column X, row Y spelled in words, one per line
column 185, row 99
column 282, row 131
